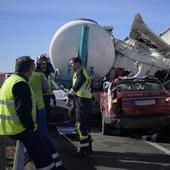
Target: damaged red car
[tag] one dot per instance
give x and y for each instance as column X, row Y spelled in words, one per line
column 134, row 104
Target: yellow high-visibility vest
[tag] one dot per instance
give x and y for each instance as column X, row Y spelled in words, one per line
column 35, row 83
column 49, row 79
column 9, row 121
column 85, row 90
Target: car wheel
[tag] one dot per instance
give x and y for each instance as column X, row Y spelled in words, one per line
column 106, row 128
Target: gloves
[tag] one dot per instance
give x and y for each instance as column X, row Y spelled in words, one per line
column 71, row 92
column 68, row 101
column 70, row 95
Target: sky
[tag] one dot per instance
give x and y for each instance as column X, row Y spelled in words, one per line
column 27, row 26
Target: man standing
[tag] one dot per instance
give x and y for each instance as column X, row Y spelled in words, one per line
column 42, row 65
column 39, row 85
column 18, row 116
column 81, row 90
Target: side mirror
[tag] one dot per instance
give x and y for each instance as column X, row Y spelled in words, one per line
column 106, row 85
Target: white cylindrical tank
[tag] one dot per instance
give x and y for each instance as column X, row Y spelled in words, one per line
column 66, row 41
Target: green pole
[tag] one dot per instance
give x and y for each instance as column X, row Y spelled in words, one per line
column 83, row 49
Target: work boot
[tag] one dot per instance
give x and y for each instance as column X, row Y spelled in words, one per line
column 83, row 151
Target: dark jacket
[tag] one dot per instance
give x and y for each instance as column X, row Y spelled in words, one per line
column 23, row 103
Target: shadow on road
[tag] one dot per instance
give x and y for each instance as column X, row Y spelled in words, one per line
column 105, row 160
column 133, row 161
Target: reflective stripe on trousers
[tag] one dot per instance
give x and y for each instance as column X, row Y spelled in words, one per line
column 55, row 155
column 56, row 159
column 83, row 145
column 47, row 167
column 81, row 136
column 59, row 163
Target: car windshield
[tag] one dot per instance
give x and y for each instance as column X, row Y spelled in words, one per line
column 167, row 85
column 139, row 86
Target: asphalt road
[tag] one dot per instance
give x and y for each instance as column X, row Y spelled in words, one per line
column 115, row 153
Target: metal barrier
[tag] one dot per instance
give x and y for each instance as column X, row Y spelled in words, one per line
column 19, row 156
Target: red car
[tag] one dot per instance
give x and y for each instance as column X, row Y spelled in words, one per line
column 2, row 78
column 134, row 103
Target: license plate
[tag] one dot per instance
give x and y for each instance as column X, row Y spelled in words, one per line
column 144, row 102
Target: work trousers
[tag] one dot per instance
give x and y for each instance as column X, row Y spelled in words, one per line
column 83, row 110
column 42, row 122
column 40, row 149
column 47, row 99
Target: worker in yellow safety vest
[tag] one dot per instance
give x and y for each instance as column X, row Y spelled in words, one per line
column 42, row 65
column 18, row 116
column 81, row 91
column 39, row 85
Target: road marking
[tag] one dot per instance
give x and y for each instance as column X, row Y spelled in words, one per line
column 145, row 162
column 161, row 148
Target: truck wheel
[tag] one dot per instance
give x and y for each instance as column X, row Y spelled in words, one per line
column 106, row 128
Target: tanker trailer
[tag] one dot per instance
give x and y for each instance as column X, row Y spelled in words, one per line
column 99, row 52
column 94, row 46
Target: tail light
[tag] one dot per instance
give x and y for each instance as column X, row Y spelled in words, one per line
column 167, row 99
column 115, row 101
